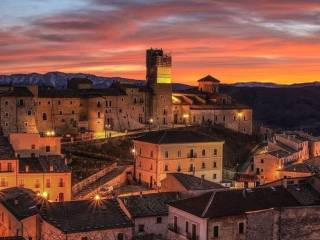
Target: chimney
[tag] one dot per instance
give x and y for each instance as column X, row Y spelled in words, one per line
column 27, row 168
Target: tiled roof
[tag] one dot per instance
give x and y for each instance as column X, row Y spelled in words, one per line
column 85, row 215
column 6, row 150
column 175, row 136
column 191, row 182
column 43, row 163
column 154, row 204
column 304, row 193
column 209, row 78
column 236, row 202
column 16, row 92
column 21, row 202
column 88, row 93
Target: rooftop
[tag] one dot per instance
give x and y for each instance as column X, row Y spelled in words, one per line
column 209, row 78
column 6, row 150
column 43, row 164
column 21, row 202
column 279, row 153
column 176, row 136
column 191, row 182
column 85, row 215
column 236, row 202
column 154, row 204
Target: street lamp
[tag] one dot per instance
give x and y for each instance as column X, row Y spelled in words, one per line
column 239, row 119
column 150, row 123
column 97, row 197
column 106, row 127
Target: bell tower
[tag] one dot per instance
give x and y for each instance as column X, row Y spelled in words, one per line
column 158, row 76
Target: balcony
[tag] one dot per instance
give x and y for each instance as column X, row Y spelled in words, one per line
column 174, row 228
column 192, row 236
column 192, row 155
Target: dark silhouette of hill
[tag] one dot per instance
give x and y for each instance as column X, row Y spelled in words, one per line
column 289, row 108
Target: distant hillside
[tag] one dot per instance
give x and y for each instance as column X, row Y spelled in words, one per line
column 284, row 107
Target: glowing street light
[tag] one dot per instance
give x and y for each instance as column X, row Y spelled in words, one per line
column 151, row 120
column 50, row 133
column 45, row 195
column 133, row 151
column 97, row 197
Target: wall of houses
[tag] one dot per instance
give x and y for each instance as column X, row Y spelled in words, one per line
column 8, row 173
column 9, row 225
column 266, row 167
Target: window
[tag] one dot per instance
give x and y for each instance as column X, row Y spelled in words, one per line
column 166, row 154
column 6, row 103
column 98, row 104
column 151, row 154
column 262, row 161
column 59, row 102
column 61, row 182
column 175, row 223
column 141, row 228
column 214, row 176
column 241, row 228
column 48, row 183
column 29, row 113
column 166, row 168
column 179, row 153
column 99, row 115
column 216, row 231
column 72, row 112
column 21, row 102
column 191, row 168
column 120, row 236
column 215, row 152
column 47, row 148
column 37, row 183
column 3, row 182
column 187, row 227
column 44, row 116
column 84, row 238
column 48, row 102
column 6, row 114
column 203, row 152
column 203, row 165
column 214, row 164
column 159, row 219
column 9, row 167
column 70, row 102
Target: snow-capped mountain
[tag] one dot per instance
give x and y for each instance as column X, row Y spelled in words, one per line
column 59, row 79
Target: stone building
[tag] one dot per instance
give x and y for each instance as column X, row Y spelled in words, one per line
column 81, row 108
column 285, row 155
column 149, row 212
column 38, row 167
column 170, row 151
column 259, row 213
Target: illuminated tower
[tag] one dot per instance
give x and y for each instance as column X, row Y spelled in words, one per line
column 159, row 86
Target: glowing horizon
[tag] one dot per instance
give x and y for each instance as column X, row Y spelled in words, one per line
column 235, row 42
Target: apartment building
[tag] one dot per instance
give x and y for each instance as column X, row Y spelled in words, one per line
column 162, row 152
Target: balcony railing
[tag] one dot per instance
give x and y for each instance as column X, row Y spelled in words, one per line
column 174, row 228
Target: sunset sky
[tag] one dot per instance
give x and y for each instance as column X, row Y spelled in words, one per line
column 234, row 40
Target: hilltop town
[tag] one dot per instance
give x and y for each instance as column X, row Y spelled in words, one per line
column 146, row 161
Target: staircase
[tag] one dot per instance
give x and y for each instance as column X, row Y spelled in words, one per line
column 114, row 177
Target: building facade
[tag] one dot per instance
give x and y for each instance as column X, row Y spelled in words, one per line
column 81, row 108
column 163, row 152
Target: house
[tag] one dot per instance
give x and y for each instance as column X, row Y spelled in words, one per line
column 84, row 220
column 188, row 184
column 149, row 212
column 47, row 175
column 259, row 213
column 170, row 151
column 18, row 213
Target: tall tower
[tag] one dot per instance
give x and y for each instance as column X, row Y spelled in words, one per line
column 158, row 77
